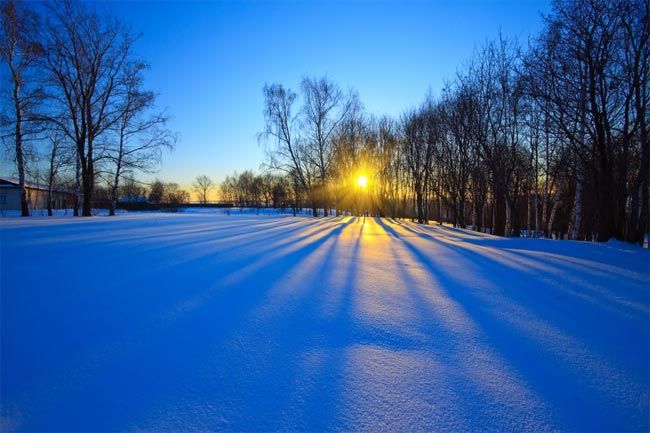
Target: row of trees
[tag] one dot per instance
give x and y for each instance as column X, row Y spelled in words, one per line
column 550, row 139
column 74, row 99
column 169, row 193
column 258, row 190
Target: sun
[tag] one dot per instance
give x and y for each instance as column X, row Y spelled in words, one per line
column 362, row 181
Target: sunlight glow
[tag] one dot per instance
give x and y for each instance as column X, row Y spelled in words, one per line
column 362, row 181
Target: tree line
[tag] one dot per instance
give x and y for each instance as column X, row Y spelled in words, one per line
column 550, row 139
column 248, row 189
column 546, row 139
column 75, row 112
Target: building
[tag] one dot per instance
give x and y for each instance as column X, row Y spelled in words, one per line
column 36, row 196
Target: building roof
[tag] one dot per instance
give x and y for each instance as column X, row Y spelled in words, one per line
column 7, row 182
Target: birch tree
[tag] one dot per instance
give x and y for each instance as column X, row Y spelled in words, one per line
column 85, row 57
column 325, row 107
column 20, row 51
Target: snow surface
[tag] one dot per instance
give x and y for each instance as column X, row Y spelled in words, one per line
column 183, row 322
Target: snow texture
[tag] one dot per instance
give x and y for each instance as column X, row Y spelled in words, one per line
column 186, row 322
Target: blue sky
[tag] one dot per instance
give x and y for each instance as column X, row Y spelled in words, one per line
column 209, row 61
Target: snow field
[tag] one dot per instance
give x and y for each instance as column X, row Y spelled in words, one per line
column 186, row 322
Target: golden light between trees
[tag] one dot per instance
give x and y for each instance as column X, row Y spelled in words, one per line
column 362, row 181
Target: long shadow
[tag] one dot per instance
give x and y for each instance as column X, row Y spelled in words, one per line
column 181, row 231
column 238, row 363
column 96, row 380
column 332, row 342
column 546, row 369
column 306, row 350
column 525, row 282
column 275, row 247
column 368, row 343
column 589, row 255
column 562, row 278
column 301, row 352
column 429, row 311
column 277, row 237
column 458, row 339
column 270, row 340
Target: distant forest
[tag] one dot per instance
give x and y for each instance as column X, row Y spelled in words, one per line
column 546, row 139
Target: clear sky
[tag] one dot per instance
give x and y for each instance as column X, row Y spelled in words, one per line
column 209, row 61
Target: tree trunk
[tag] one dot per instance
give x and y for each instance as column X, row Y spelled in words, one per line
column 576, row 216
column 49, row 200
column 528, row 214
column 641, row 225
column 606, row 226
column 20, row 160
column 419, row 206
column 536, row 208
column 24, row 204
column 87, row 181
column 461, row 212
column 111, row 210
column 498, row 214
column 77, row 190
column 474, row 214
column 545, row 210
column 556, row 205
column 115, row 187
column 507, row 230
column 50, row 183
column 483, row 209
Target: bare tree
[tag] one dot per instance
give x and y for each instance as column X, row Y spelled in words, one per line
column 286, row 154
column 457, row 121
column 139, row 134
column 202, row 186
column 20, row 50
column 59, row 156
column 156, row 192
column 85, row 57
column 325, row 108
column 174, row 196
column 634, row 18
column 131, row 190
column 250, row 190
column 420, row 134
column 497, row 123
column 588, row 66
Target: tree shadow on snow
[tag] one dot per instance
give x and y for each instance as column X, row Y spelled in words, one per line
column 530, row 328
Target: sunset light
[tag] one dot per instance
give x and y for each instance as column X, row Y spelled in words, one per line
column 325, row 216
